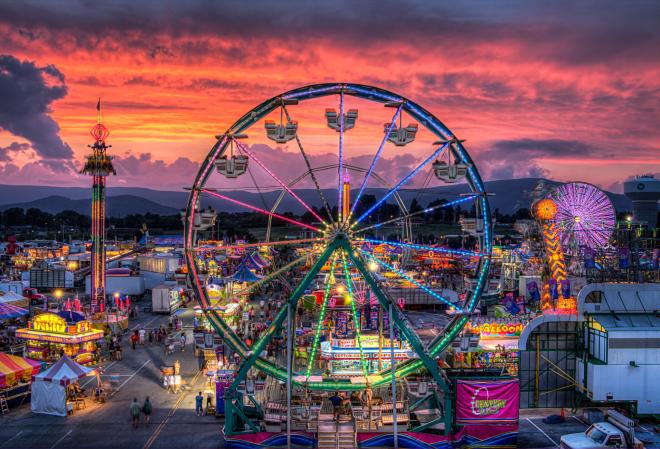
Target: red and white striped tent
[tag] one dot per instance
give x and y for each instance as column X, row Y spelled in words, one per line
column 49, row 387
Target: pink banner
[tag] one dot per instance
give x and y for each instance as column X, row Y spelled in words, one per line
column 487, row 401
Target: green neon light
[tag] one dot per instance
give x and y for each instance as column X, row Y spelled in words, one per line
column 319, row 326
column 358, row 335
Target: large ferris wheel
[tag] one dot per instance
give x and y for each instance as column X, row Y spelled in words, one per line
column 335, row 248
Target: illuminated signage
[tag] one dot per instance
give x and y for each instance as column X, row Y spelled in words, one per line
column 498, row 330
column 48, row 322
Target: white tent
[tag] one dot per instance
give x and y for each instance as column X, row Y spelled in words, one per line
column 49, row 387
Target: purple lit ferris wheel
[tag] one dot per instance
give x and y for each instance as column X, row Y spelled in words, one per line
column 585, row 215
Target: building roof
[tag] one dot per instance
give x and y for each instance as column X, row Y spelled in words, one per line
column 632, row 321
column 619, row 298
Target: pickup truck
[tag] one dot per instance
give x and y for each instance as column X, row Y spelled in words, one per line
column 34, row 296
column 618, row 431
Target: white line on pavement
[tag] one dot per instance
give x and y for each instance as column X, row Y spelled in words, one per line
column 132, row 375
column 14, row 437
column 539, row 429
column 62, row 438
column 94, row 378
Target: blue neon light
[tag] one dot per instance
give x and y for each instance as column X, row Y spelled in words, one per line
column 373, row 162
column 403, row 181
column 408, row 278
column 426, row 248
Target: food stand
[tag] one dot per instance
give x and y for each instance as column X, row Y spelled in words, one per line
column 48, row 334
column 343, row 354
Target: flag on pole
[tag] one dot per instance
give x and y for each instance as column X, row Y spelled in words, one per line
column 98, row 105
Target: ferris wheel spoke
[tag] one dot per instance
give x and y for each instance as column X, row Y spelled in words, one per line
column 421, row 212
column 278, row 180
column 320, row 324
column 277, row 323
column 258, row 209
column 341, row 155
column 375, row 159
column 403, row 181
column 310, row 170
column 403, row 275
column 437, row 249
column 356, row 320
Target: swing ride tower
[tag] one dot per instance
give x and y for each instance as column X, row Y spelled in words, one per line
column 99, row 166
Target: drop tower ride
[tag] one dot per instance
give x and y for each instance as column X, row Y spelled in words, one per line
column 98, row 166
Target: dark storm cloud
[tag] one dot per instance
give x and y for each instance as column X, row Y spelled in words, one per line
column 574, row 33
column 26, row 95
column 521, row 149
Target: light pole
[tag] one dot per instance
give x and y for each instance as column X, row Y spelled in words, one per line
column 392, row 367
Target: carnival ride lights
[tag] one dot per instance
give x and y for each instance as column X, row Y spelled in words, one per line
column 585, row 215
column 337, row 240
column 545, row 211
column 98, row 166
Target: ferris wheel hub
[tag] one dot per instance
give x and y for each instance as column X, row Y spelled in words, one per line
column 339, row 231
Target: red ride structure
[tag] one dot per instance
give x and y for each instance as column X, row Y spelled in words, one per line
column 98, row 166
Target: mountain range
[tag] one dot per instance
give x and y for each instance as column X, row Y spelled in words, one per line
column 505, row 195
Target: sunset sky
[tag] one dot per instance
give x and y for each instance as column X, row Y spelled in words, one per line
column 561, row 89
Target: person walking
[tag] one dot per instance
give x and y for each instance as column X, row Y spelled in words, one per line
column 134, row 340
column 182, row 339
column 199, row 399
column 135, row 412
column 146, row 410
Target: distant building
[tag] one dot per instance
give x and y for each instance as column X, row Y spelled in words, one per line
column 644, row 192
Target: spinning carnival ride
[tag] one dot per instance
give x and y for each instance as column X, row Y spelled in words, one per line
column 585, row 216
column 341, row 244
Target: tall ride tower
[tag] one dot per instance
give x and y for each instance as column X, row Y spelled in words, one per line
column 98, row 166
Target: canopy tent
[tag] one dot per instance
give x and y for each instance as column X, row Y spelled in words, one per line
column 8, row 310
column 49, row 387
column 14, row 299
column 14, row 369
column 243, row 274
column 250, row 262
column 260, row 260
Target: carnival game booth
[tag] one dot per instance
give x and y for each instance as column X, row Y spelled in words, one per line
column 48, row 334
column 49, row 389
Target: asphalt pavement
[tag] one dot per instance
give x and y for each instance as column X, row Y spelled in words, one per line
column 173, row 422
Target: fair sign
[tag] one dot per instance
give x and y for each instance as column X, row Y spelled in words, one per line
column 487, row 402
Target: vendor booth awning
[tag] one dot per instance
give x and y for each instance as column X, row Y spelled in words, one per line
column 8, row 311
column 260, row 260
column 243, row 274
column 14, row 299
column 251, row 263
column 14, row 369
column 64, row 372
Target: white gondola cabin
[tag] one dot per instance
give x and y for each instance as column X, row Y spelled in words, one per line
column 333, row 119
column 281, row 133
column 232, row 166
column 402, row 135
column 202, row 220
column 450, row 173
